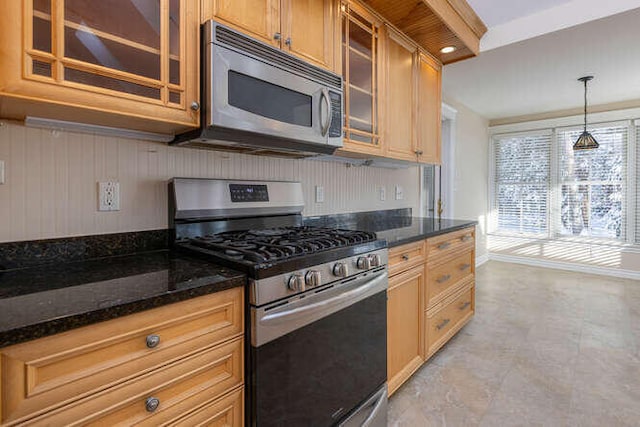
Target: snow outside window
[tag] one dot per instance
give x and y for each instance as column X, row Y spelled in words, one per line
column 521, row 183
column 592, row 190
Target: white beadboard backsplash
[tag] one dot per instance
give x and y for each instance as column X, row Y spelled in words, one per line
column 51, row 178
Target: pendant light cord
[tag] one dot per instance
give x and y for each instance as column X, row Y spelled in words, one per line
column 585, row 105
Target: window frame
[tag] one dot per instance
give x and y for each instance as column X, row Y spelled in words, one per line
column 631, row 204
column 493, row 190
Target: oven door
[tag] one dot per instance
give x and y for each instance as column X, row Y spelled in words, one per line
column 247, row 94
column 315, row 359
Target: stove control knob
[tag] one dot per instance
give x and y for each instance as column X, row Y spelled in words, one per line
column 296, row 282
column 375, row 260
column 340, row 269
column 363, row 263
column 312, row 278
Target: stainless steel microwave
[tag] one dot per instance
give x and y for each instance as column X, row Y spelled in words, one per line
column 260, row 99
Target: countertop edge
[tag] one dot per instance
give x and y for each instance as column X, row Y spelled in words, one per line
column 422, row 236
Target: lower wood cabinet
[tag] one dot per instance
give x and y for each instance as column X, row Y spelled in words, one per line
column 404, row 337
column 158, row 366
column 431, row 297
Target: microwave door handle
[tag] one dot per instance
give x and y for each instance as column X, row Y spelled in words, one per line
column 324, row 96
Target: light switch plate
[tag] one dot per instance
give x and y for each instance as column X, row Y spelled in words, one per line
column 108, row 196
column 399, row 192
column 1, row 172
column 319, row 194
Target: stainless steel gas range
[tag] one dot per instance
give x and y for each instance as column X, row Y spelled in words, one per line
column 316, row 304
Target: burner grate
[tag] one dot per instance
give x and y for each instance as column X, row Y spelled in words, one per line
column 280, row 243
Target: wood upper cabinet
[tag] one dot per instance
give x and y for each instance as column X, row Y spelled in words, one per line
column 361, row 71
column 400, row 85
column 258, row 18
column 404, row 326
column 308, row 29
column 121, row 63
column 429, row 113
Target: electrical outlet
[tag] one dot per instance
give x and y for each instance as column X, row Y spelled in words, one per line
column 108, row 196
column 1, row 172
column 382, row 193
column 319, row 194
column 399, row 192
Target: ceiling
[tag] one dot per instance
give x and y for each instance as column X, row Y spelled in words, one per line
column 510, row 21
column 539, row 75
column 496, row 12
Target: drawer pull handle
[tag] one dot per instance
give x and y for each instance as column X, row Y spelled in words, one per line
column 442, row 324
column 465, row 305
column 463, row 267
column 151, row 404
column 444, row 245
column 153, row 340
column 444, row 278
column 466, row 238
column 405, row 257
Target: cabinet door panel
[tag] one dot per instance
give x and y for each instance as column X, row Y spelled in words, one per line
column 398, row 140
column 428, row 122
column 361, row 73
column 121, row 63
column 258, row 18
column 404, row 331
column 309, row 30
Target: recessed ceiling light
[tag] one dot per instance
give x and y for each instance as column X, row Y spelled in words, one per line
column 448, row 49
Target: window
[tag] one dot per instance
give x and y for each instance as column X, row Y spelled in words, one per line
column 521, row 183
column 592, row 184
column 542, row 187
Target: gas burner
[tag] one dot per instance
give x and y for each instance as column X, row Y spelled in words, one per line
column 275, row 244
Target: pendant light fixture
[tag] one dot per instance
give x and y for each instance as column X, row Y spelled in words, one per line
column 586, row 141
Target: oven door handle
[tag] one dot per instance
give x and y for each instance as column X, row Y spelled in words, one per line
column 341, row 300
column 271, row 323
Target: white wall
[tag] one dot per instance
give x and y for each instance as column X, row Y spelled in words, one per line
column 470, row 183
column 51, row 182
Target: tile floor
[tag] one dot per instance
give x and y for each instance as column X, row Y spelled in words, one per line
column 545, row 348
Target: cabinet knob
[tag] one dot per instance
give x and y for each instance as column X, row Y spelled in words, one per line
column 153, row 340
column 442, row 324
column 443, row 278
column 288, row 41
column 151, row 404
column 195, row 106
column 405, row 257
column 277, row 36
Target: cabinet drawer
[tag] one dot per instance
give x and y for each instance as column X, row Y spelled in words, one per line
column 442, row 278
column 189, row 383
column 447, row 244
column 224, row 412
column 406, row 256
column 41, row 375
column 443, row 323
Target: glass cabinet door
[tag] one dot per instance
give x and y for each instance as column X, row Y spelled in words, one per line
column 359, row 62
column 128, row 48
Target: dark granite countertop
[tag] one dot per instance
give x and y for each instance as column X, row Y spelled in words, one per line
column 399, row 231
column 394, row 226
column 44, row 300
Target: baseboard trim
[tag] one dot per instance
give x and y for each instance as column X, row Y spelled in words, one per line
column 560, row 265
column 481, row 260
